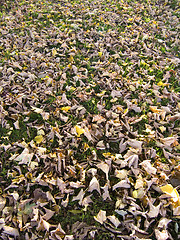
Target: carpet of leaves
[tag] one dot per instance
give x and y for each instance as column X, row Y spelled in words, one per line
column 89, row 119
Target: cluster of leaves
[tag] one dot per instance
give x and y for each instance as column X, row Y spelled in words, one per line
column 89, row 119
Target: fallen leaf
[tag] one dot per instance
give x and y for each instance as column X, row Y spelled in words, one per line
column 161, row 235
column 54, row 52
column 25, row 157
column 38, row 139
column 104, row 167
column 163, row 223
column 139, row 193
column 105, row 194
column 153, row 210
column 11, row 231
column 2, row 203
column 146, row 164
column 94, row 185
column 122, row 174
column 169, row 190
column 114, row 220
column 58, row 233
column 43, row 225
column 101, row 217
column 79, row 197
column 139, row 182
column 122, row 184
column 66, row 109
column 79, row 131
column 37, row 110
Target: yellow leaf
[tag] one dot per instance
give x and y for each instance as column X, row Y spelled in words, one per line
column 79, row 131
column 86, row 146
column 53, row 155
column 108, row 154
column 135, row 194
column 161, row 84
column 126, row 110
column 71, row 59
column 154, row 109
column 73, row 88
column 119, row 108
column 101, row 94
column 130, row 19
column 38, row 139
column 100, row 54
column 162, row 128
column 139, row 193
column 169, row 190
column 66, row 109
column 54, row 52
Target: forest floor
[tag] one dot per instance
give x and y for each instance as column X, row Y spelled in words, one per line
column 89, row 119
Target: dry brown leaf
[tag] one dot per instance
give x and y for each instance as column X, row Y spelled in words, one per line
column 146, row 164
column 105, row 168
column 122, row 184
column 94, row 185
column 11, row 231
column 114, row 220
column 161, row 235
column 101, row 217
column 43, row 225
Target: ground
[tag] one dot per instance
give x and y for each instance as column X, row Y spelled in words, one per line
column 89, row 119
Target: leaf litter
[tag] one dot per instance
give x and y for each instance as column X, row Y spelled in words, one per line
column 89, row 120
